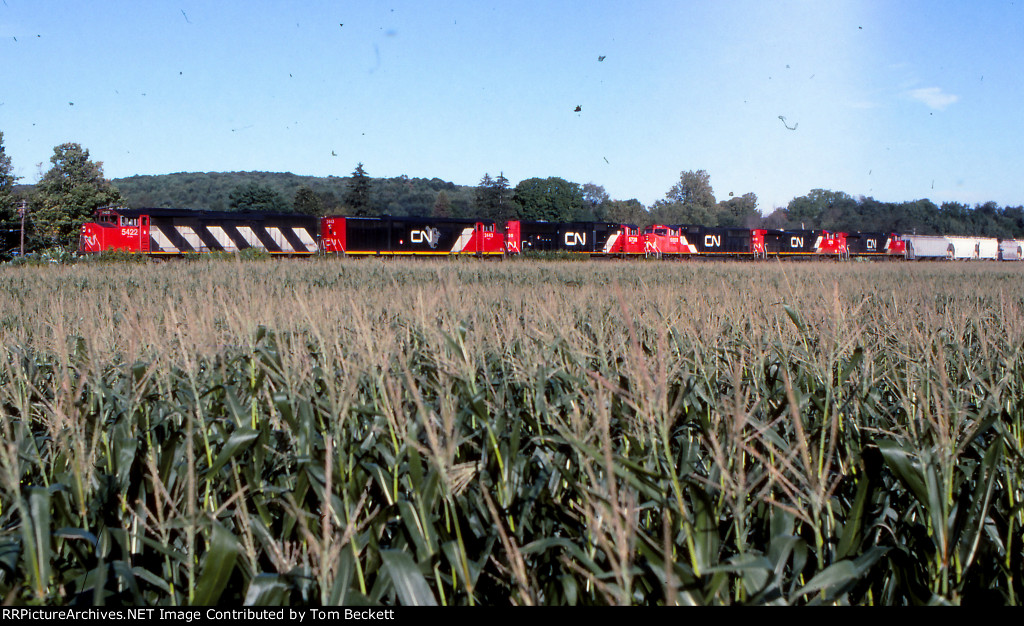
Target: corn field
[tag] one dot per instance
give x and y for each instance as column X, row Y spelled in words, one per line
column 456, row 432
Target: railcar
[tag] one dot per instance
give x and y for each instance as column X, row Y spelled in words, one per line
column 874, row 245
column 803, row 243
column 964, row 247
column 1011, row 250
column 921, row 247
column 178, row 231
column 182, row 231
column 723, row 241
column 953, row 247
column 592, row 238
column 988, row 249
column 416, row 236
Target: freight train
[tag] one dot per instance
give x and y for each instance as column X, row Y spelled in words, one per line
column 176, row 232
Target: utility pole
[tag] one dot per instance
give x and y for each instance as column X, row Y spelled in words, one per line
column 22, row 210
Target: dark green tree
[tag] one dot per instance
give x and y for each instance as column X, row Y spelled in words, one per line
column 9, row 223
column 1014, row 216
column 442, row 205
column 952, row 218
column 664, row 212
column 873, row 215
column 257, row 197
column 69, row 193
column 693, row 188
column 357, row 198
column 502, row 198
column 595, row 202
column 331, row 204
column 493, row 198
column 627, row 212
column 777, row 219
column 821, row 208
column 740, row 212
column 550, row 199
column 483, row 191
column 986, row 220
column 307, row 202
column 7, row 180
column 689, row 201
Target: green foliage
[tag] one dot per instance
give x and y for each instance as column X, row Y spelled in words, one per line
column 256, row 197
column 741, row 212
column 7, row 180
column 837, row 211
column 550, row 199
column 689, row 201
column 357, row 198
column 820, row 207
column 400, row 195
column 54, row 255
column 595, row 203
column 703, row 444
column 10, row 224
column 442, row 205
column 307, row 202
column 69, row 193
column 493, row 198
column 693, row 188
column 626, row 212
column 664, row 212
column 115, row 257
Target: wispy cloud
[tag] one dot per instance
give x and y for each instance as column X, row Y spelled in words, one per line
column 933, row 97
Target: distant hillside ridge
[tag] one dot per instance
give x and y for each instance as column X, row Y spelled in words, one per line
column 212, row 191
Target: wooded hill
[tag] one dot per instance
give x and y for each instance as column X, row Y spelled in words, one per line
column 212, row 191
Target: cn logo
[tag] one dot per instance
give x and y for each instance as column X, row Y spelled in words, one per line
column 428, row 236
column 872, row 244
column 712, row 241
column 796, row 242
column 575, row 239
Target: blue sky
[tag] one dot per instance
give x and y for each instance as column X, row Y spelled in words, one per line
column 898, row 100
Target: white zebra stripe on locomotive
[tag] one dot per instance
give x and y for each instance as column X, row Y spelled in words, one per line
column 250, row 238
column 306, row 239
column 610, row 244
column 163, row 244
column 282, row 243
column 191, row 238
column 222, row 240
column 463, row 240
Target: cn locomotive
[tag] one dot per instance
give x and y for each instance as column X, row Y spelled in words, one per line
column 176, row 232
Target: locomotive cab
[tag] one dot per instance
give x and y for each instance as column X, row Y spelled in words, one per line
column 660, row 239
column 113, row 231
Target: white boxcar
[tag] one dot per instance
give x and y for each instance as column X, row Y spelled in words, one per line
column 964, row 247
column 988, row 249
column 1011, row 250
column 928, row 247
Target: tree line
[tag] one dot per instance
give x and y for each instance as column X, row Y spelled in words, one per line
column 74, row 187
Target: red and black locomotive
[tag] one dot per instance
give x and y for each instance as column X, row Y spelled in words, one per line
column 179, row 231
